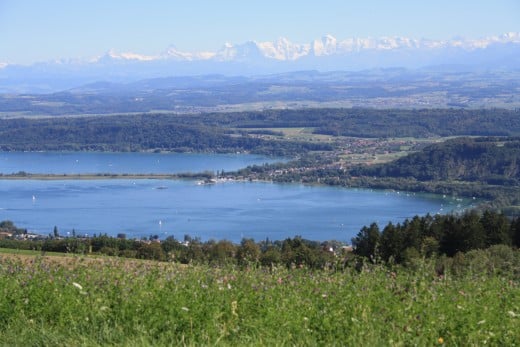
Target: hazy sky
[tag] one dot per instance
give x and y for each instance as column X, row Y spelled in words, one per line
column 39, row 30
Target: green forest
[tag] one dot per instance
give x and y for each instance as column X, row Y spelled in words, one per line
column 136, row 133
column 229, row 131
column 366, row 122
column 485, row 160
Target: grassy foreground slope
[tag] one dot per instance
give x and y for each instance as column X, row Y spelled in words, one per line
column 108, row 301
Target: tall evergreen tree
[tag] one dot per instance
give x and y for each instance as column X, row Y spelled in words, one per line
column 367, row 241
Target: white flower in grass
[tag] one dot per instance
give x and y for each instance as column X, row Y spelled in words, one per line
column 185, row 309
column 80, row 287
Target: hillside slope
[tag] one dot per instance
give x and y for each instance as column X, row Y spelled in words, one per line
column 484, row 160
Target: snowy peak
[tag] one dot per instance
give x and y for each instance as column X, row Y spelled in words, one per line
column 239, row 53
column 112, row 55
column 327, row 45
column 283, row 49
column 173, row 53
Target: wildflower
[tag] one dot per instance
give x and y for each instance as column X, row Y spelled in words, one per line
column 440, row 340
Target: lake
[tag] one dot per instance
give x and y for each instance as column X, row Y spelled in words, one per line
column 119, row 163
column 229, row 210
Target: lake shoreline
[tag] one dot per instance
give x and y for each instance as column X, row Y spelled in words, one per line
column 56, row 177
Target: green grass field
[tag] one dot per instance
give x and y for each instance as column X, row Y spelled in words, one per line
column 83, row 301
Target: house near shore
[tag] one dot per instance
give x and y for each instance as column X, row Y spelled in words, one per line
column 5, row 234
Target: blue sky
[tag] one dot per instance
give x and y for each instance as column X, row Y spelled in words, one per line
column 39, row 30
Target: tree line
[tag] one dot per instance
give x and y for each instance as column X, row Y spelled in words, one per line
column 401, row 243
column 436, row 235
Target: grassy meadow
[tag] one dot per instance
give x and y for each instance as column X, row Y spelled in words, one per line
column 84, row 301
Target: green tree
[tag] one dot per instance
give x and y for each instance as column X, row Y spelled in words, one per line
column 475, row 234
column 248, row 252
column 151, row 251
column 515, row 231
column 497, row 228
column 271, row 256
column 366, row 242
column 222, row 252
column 391, row 243
column 454, row 238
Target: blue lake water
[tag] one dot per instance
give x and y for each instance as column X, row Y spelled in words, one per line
column 117, row 163
column 230, row 210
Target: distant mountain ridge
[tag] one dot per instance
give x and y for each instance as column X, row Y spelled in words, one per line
column 259, row 58
column 285, row 50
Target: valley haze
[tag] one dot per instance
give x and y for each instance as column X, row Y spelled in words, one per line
column 254, row 58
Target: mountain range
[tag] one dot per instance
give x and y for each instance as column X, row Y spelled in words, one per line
column 256, row 58
column 285, row 50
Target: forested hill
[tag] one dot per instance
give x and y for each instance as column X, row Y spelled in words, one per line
column 136, row 133
column 367, row 122
column 488, row 160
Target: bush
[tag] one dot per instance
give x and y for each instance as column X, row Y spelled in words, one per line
column 128, row 253
column 109, row 251
column 152, row 251
column 503, row 259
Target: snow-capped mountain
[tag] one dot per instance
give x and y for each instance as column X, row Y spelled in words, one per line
column 173, row 53
column 252, row 58
column 285, row 50
column 112, row 54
